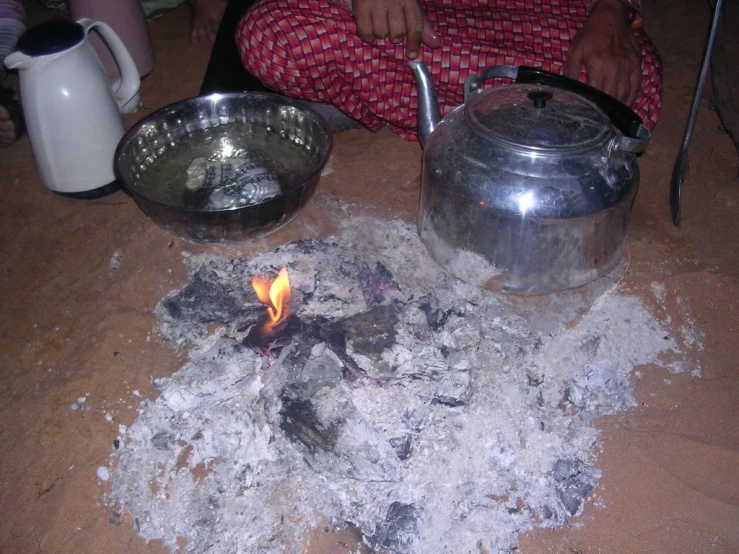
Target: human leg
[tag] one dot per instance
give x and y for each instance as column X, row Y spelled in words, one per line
column 206, row 15
column 13, row 22
column 156, row 8
column 539, row 35
column 206, row 18
column 309, row 49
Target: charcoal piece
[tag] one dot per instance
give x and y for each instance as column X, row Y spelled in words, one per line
column 373, row 331
column 310, row 246
column 454, row 390
column 435, row 317
column 399, row 529
column 403, row 446
column 360, row 340
column 161, row 440
column 574, row 480
column 534, row 380
column 334, row 334
column 333, row 437
column 378, row 285
column 310, row 366
column 546, row 512
column 206, row 299
column 416, row 419
column 266, row 342
column 300, row 422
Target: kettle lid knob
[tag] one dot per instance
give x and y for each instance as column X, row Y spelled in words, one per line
column 539, row 98
column 50, row 37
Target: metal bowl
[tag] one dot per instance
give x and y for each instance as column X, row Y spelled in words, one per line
column 205, row 125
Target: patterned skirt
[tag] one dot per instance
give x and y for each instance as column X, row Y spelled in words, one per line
column 309, row 49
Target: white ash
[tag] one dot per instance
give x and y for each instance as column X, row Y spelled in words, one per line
column 115, row 260
column 432, row 415
column 469, row 266
column 103, row 473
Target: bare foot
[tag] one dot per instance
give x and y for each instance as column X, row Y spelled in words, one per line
column 7, row 128
column 206, row 18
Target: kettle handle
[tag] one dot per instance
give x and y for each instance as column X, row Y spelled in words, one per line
column 635, row 136
column 130, row 79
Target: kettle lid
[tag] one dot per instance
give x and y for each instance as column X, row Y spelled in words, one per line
column 536, row 117
column 50, row 37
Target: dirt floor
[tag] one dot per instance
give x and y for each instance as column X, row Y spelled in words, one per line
column 73, row 327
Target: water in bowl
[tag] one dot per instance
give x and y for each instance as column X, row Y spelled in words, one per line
column 165, row 178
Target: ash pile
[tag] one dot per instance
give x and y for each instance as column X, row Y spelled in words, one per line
column 431, row 415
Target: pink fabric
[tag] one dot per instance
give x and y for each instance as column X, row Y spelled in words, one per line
column 309, row 49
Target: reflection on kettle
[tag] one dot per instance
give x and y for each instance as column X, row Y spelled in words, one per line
column 71, row 110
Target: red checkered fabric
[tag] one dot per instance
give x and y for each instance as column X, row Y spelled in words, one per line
column 309, row 49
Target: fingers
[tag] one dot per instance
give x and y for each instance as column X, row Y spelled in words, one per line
column 636, row 74
column 414, row 24
column 379, row 24
column 420, row 31
column 399, row 20
column 605, row 80
column 635, row 88
column 622, row 80
column 623, row 83
column 396, row 20
column 363, row 17
column 574, row 63
column 623, row 89
column 429, row 36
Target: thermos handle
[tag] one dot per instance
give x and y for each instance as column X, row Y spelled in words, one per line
column 130, row 79
column 635, row 136
column 16, row 60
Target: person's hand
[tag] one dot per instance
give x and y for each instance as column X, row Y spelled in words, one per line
column 398, row 19
column 608, row 49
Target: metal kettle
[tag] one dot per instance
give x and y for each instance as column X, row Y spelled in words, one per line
column 527, row 188
column 72, row 112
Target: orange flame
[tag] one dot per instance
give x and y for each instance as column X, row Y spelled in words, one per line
column 276, row 295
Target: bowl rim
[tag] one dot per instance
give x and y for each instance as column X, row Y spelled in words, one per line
column 215, row 96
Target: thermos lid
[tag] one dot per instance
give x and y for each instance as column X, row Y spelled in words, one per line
column 50, row 37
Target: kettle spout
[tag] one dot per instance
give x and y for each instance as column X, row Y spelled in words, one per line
column 429, row 113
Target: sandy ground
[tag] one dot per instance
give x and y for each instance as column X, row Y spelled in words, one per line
column 73, row 327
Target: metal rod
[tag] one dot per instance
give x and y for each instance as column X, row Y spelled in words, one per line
column 678, row 171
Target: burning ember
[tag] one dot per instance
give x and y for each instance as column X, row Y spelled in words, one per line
column 276, row 326
column 276, row 295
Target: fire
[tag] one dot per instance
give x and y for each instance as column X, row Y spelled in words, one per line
column 276, row 295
